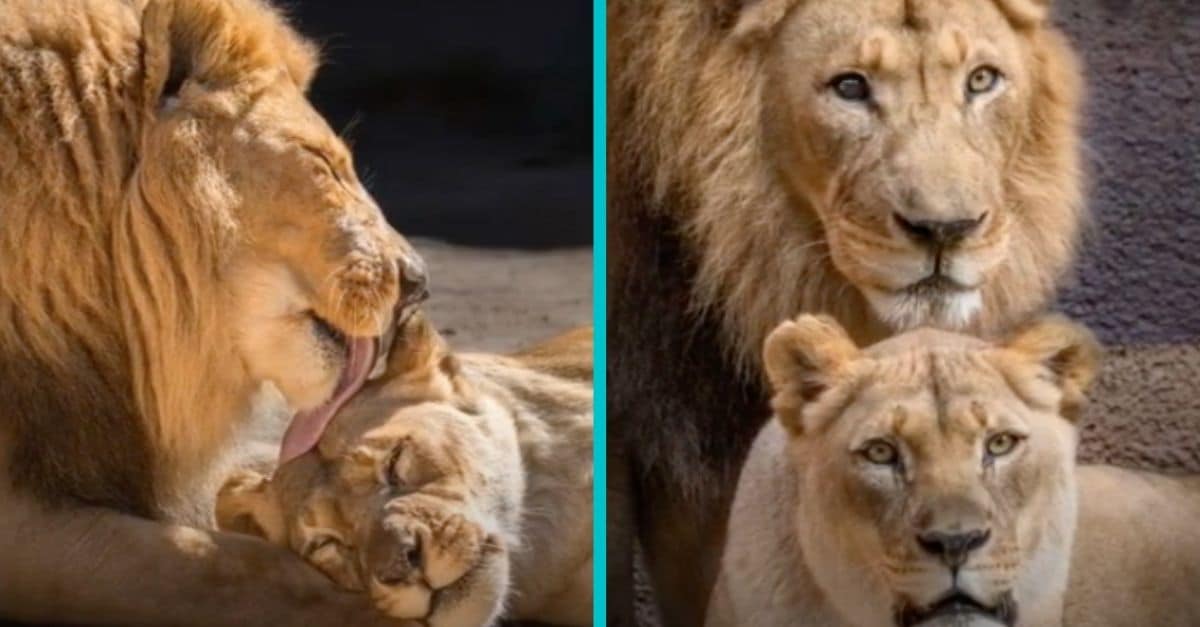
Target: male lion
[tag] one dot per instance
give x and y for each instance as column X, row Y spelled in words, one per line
column 893, row 163
column 177, row 226
column 455, row 490
column 931, row 480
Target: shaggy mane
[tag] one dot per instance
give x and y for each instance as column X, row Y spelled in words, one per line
column 686, row 80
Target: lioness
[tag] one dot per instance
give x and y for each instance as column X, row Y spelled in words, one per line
column 455, row 490
column 930, row 480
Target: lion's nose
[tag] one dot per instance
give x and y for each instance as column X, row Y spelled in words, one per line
column 414, row 281
column 394, row 556
column 955, row 547
column 938, row 234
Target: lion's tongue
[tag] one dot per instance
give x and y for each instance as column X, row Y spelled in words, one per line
column 307, row 426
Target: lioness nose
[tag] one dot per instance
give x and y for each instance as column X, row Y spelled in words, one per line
column 394, row 557
column 414, row 281
column 953, row 548
column 938, row 234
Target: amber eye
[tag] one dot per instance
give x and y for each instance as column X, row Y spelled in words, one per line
column 982, row 80
column 1002, row 444
column 851, row 86
column 881, row 452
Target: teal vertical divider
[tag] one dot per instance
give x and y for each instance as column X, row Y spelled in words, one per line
column 600, row 308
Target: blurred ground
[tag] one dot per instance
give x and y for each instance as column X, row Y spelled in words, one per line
column 501, row 299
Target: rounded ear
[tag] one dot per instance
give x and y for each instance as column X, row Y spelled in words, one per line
column 1068, row 351
column 1025, row 13
column 218, row 42
column 757, row 19
column 246, row 504
column 801, row 358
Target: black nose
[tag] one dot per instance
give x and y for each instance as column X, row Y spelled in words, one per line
column 414, row 282
column 953, row 548
column 394, row 557
column 938, row 234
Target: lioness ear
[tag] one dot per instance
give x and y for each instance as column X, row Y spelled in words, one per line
column 1068, row 351
column 757, row 19
column 246, row 504
column 801, row 359
column 1025, row 13
column 218, row 42
column 417, row 348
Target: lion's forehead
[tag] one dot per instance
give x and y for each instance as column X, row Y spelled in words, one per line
column 895, row 37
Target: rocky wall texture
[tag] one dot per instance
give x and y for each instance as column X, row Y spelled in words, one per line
column 1138, row 279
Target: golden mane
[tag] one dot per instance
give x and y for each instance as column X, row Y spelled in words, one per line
column 685, row 115
column 108, row 300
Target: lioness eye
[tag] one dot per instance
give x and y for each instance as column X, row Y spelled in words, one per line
column 982, row 80
column 851, row 86
column 1001, row 444
column 322, row 545
column 880, row 452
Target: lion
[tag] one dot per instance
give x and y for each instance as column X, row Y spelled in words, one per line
column 180, row 231
column 931, row 480
column 455, row 490
column 892, row 164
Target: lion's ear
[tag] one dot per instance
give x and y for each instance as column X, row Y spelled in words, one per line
column 246, row 504
column 1025, row 13
column 802, row 358
column 219, row 43
column 1068, row 351
column 757, row 19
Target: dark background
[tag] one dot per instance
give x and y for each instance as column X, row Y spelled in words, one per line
column 470, row 119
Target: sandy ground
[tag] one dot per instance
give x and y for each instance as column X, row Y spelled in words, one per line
column 498, row 300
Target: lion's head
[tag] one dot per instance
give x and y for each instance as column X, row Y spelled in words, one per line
column 184, row 227
column 896, row 164
column 936, row 470
column 412, row 496
column 311, row 271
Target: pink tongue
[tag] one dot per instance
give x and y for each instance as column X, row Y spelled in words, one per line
column 307, row 426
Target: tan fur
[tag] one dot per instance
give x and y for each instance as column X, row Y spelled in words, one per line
column 469, row 475
column 173, row 211
column 800, row 547
column 725, row 139
column 821, row 533
column 703, row 105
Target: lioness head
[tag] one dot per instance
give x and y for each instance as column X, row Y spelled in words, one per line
column 412, row 496
column 910, row 128
column 937, row 470
column 313, row 272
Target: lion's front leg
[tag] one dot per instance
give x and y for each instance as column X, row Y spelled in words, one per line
column 85, row 565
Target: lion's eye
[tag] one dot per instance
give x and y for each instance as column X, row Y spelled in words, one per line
column 982, row 80
column 851, row 86
column 1002, row 444
column 881, row 452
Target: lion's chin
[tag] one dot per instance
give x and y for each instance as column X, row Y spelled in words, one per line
column 903, row 310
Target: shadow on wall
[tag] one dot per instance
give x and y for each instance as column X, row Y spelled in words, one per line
column 470, row 120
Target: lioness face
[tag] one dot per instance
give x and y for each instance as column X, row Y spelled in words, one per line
column 412, row 501
column 938, row 484
column 900, row 122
